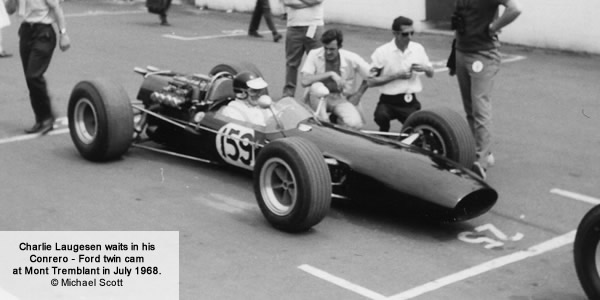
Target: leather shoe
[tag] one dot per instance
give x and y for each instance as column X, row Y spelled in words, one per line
column 277, row 37
column 41, row 127
column 254, row 34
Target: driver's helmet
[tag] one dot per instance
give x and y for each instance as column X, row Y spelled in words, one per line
column 248, row 83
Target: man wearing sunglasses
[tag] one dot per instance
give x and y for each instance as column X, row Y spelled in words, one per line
column 395, row 68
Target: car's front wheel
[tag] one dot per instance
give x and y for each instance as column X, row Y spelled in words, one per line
column 100, row 119
column 443, row 132
column 292, row 184
column 586, row 251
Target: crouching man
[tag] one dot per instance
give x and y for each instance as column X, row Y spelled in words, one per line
column 344, row 73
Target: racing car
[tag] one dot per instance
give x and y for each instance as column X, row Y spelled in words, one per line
column 298, row 162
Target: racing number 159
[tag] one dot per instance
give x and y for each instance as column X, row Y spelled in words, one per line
column 235, row 145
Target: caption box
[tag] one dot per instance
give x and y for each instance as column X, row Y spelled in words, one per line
column 89, row 265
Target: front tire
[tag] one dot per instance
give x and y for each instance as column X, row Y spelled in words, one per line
column 292, row 184
column 443, row 132
column 100, row 119
column 586, row 252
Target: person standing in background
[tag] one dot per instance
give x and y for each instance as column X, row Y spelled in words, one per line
column 4, row 22
column 477, row 26
column 37, row 41
column 304, row 28
column 263, row 8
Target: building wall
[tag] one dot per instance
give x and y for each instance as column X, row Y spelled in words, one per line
column 564, row 25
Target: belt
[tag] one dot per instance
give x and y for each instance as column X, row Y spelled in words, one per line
column 34, row 25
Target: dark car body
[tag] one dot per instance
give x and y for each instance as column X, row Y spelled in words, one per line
column 360, row 165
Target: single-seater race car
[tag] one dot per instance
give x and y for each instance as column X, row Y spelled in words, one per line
column 298, row 162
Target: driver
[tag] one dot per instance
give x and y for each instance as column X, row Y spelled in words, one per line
column 248, row 87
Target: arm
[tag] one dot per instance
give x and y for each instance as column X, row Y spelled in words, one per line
column 512, row 11
column 362, row 68
column 427, row 69
column 65, row 41
column 355, row 98
column 311, row 2
column 296, row 4
column 379, row 80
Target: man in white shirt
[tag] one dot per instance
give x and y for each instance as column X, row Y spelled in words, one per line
column 343, row 72
column 395, row 68
column 304, row 27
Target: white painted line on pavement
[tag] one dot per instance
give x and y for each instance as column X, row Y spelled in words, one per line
column 576, row 196
column 93, row 13
column 230, row 33
column 341, row 282
column 544, row 247
column 25, row 137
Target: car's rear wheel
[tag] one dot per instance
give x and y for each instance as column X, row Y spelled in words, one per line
column 292, row 184
column 100, row 119
column 443, row 132
column 586, row 251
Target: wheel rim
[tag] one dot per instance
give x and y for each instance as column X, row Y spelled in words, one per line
column 86, row 121
column 278, row 187
column 430, row 139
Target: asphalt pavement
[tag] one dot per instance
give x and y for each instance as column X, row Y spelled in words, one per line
column 546, row 120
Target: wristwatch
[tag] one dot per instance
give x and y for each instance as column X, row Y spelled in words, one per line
column 63, row 31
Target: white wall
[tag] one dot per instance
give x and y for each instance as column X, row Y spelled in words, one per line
column 556, row 24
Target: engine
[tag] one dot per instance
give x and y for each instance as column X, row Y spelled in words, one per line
column 182, row 90
column 181, row 98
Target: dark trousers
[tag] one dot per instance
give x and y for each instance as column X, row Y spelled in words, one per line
column 163, row 14
column 36, row 46
column 394, row 107
column 262, row 8
column 296, row 44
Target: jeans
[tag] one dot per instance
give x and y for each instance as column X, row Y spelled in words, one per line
column 36, row 46
column 296, row 44
column 476, row 72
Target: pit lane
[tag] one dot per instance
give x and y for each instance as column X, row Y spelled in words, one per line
column 364, row 246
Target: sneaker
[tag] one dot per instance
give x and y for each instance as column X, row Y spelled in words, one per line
column 478, row 169
column 277, row 37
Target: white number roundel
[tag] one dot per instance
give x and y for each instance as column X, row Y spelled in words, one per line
column 235, row 144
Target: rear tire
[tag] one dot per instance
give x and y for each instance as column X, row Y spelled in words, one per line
column 292, row 184
column 443, row 132
column 100, row 119
column 586, row 251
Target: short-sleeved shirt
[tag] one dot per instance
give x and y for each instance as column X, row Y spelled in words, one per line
column 392, row 60
column 477, row 16
column 353, row 68
column 38, row 11
column 305, row 16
